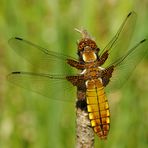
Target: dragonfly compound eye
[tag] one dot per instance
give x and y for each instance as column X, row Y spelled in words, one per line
column 86, row 42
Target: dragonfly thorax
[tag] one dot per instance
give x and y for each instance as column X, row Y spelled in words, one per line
column 89, row 55
column 92, row 73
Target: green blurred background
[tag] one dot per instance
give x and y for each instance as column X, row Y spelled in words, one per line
column 31, row 121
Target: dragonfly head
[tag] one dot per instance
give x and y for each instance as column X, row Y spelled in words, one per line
column 87, row 48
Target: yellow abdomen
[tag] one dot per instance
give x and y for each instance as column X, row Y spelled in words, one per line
column 97, row 107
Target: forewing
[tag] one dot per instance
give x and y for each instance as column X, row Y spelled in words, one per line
column 120, row 42
column 43, row 60
column 52, row 86
column 125, row 65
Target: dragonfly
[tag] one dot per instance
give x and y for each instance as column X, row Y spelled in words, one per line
column 58, row 76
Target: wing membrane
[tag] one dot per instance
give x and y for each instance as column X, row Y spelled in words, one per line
column 51, row 86
column 126, row 64
column 120, row 42
column 46, row 61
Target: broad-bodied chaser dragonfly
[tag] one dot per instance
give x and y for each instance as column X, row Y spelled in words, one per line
column 57, row 76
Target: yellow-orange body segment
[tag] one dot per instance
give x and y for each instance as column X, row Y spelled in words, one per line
column 97, row 107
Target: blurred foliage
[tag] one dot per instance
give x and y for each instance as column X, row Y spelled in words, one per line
column 30, row 120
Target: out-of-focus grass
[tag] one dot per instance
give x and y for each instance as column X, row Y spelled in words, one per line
column 30, row 120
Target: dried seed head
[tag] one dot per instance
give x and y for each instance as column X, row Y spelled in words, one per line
column 83, row 32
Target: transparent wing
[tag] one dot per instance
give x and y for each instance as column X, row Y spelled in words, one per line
column 126, row 64
column 120, row 42
column 44, row 60
column 52, row 86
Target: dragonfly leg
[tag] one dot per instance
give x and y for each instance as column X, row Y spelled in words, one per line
column 103, row 58
column 75, row 64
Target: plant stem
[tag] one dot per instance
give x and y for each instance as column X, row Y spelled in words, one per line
column 84, row 131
